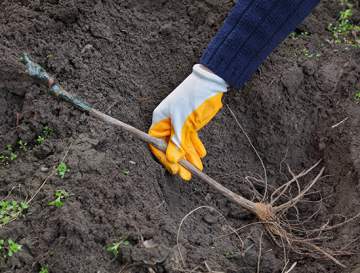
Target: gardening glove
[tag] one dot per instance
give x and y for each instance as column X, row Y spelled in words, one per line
column 180, row 116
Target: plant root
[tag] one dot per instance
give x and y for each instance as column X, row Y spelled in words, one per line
column 297, row 239
column 281, row 231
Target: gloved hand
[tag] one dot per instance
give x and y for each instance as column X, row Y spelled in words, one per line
column 182, row 114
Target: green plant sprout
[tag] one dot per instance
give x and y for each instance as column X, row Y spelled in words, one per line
column 115, row 247
column 357, row 97
column 13, row 156
column 44, row 269
column 230, row 254
column 9, row 147
column 10, row 210
column 125, row 172
column 40, row 140
column 62, row 169
column 22, row 145
column 9, row 247
column 13, row 247
column 47, row 131
column 60, row 196
column 343, row 29
column 9, row 153
column 309, row 54
column 3, row 158
column 295, row 35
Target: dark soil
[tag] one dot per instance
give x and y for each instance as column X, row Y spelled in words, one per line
column 125, row 57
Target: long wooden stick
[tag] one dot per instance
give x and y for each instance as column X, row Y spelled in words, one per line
column 38, row 73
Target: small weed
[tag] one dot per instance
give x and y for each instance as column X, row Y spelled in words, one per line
column 60, row 196
column 115, row 247
column 295, row 35
column 9, row 247
column 47, row 131
column 7, row 154
column 357, row 97
column 40, row 140
column 230, row 254
column 13, row 156
column 62, row 169
column 11, row 209
column 125, row 172
column 44, row 269
column 3, row 158
column 9, row 147
column 13, row 247
column 22, row 145
column 310, row 55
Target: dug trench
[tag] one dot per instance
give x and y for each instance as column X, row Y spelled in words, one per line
column 125, row 57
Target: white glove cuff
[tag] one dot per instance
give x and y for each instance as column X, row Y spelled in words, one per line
column 217, row 82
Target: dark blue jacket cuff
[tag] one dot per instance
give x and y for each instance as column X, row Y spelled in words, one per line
column 250, row 33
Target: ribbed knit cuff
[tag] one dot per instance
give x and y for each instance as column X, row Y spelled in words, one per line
column 250, row 33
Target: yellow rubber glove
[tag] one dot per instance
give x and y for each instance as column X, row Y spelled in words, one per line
column 180, row 116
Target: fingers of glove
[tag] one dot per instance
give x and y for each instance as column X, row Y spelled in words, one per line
column 174, row 153
column 194, row 159
column 191, row 154
column 184, row 173
column 173, row 168
column 161, row 129
column 198, row 145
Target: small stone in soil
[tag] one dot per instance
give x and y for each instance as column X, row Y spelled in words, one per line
column 44, row 169
column 210, row 219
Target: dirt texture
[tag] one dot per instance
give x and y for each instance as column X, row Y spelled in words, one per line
column 124, row 57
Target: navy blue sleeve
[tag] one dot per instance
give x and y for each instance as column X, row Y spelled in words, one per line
column 250, row 33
